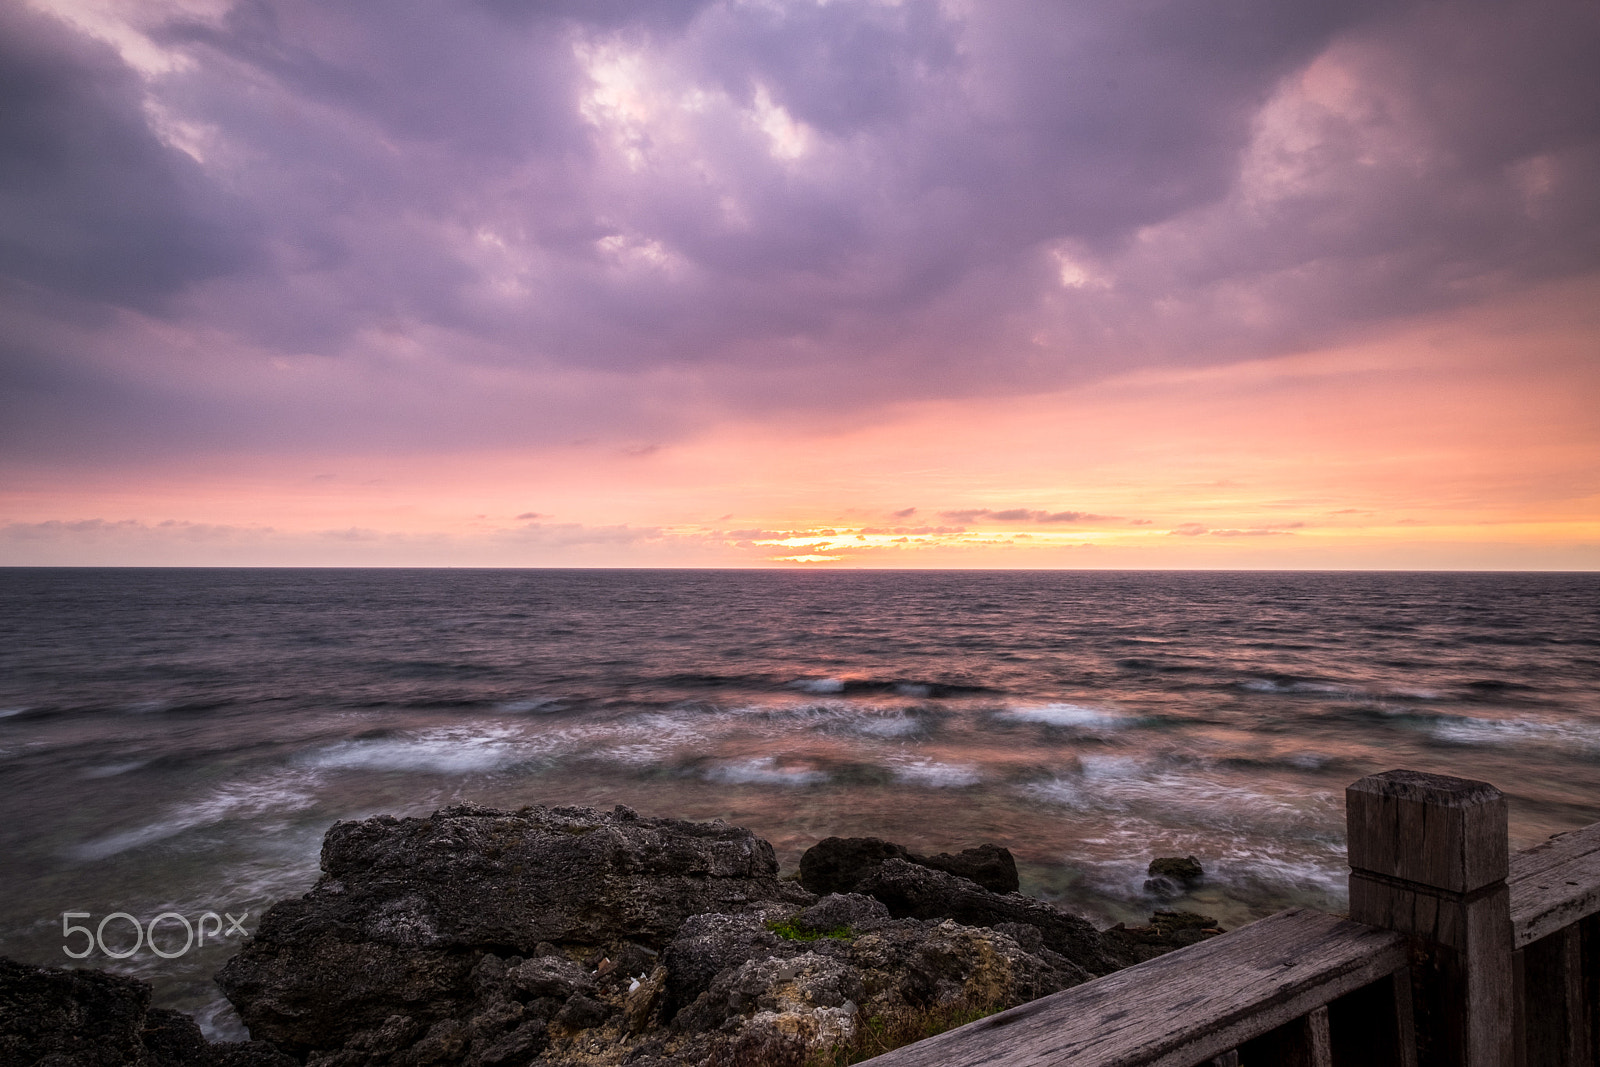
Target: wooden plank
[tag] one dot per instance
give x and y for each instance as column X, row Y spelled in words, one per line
column 1303, row 1042
column 1182, row 1008
column 1556, row 1017
column 1555, row 884
column 1589, row 947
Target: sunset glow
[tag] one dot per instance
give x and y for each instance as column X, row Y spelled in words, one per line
column 802, row 284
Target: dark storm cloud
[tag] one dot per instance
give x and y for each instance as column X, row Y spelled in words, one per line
column 596, row 213
column 91, row 201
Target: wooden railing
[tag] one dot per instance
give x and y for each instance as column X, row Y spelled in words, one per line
column 1455, row 954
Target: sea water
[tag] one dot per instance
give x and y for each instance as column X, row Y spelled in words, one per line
column 175, row 742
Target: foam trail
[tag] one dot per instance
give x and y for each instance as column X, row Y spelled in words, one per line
column 1066, row 715
column 763, row 771
column 938, row 775
column 243, row 800
column 454, row 750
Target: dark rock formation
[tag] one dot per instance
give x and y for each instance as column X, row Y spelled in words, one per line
column 1172, row 876
column 1168, row 930
column 81, row 1018
column 839, row 864
column 574, row 937
column 913, row 891
column 844, row 911
column 407, row 908
column 569, row 936
column 989, row 865
column 836, row 864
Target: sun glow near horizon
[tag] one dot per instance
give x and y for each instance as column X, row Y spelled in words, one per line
column 1464, row 441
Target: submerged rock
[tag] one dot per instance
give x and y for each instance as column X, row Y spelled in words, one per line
column 1172, row 876
column 1167, row 930
column 989, row 865
column 839, row 864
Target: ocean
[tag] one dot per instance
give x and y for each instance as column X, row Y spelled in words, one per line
column 174, row 743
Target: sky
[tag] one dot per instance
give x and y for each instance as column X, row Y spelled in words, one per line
column 803, row 283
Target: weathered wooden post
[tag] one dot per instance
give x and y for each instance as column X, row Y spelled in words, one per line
column 1428, row 858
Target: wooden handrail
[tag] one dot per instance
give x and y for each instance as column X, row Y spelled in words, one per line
column 1554, row 885
column 1503, row 952
column 1181, row 1008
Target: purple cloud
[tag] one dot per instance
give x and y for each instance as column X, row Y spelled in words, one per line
column 308, row 225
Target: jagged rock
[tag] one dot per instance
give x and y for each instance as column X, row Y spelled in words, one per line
column 550, row 976
column 1166, row 931
column 564, row 937
column 171, row 1039
column 581, row 1012
column 920, row 892
column 84, row 1018
column 708, row 945
column 844, row 911
column 989, row 865
column 797, row 986
column 836, row 864
column 1172, row 876
column 921, row 963
column 406, row 908
column 248, row 1054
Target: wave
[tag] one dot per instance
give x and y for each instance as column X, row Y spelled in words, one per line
column 1464, row 730
column 1066, row 715
column 1258, row 838
column 541, row 706
column 449, row 750
column 1344, row 690
column 111, row 770
column 240, row 800
column 915, row 688
column 763, row 770
column 927, row 772
column 1206, row 797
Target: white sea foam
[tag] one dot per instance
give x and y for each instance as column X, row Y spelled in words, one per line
column 1471, row 731
column 1266, row 685
column 820, row 686
column 939, row 775
column 111, row 770
column 885, row 725
column 239, row 800
column 525, row 707
column 913, row 689
column 763, row 771
column 1073, row 715
column 644, row 740
column 450, row 750
column 1123, row 784
column 6, row 713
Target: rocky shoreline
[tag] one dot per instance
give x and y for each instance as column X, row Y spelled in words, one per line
column 568, row 936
